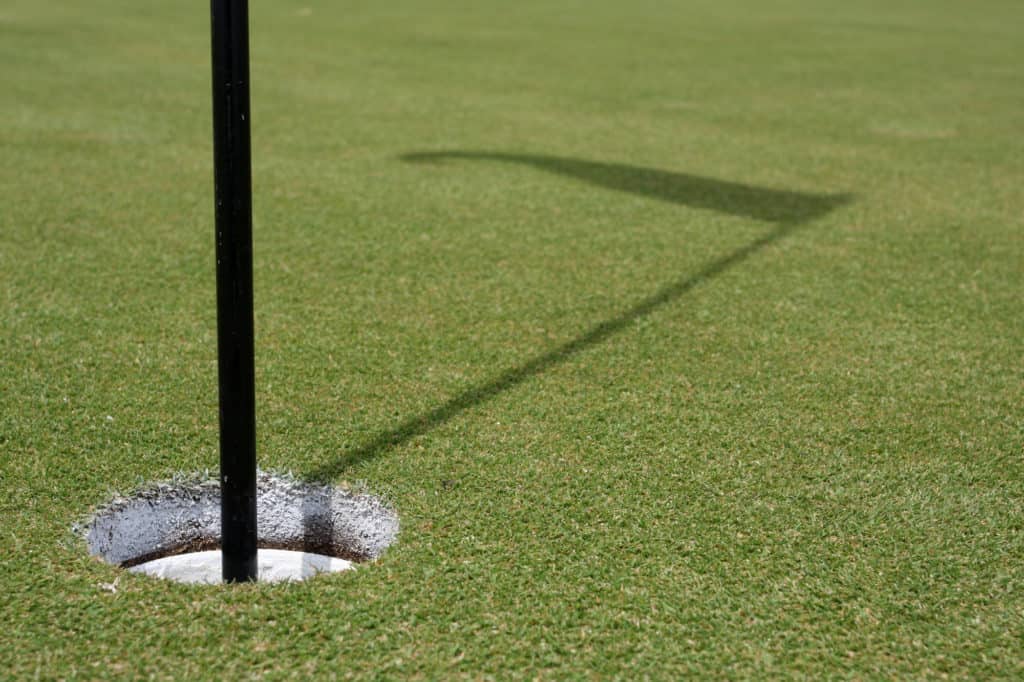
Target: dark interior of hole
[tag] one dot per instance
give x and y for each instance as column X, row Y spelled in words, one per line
column 310, row 545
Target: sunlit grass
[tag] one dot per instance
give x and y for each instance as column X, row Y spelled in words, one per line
column 683, row 339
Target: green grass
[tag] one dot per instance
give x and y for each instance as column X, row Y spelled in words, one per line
column 685, row 338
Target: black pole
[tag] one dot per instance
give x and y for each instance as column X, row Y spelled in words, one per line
column 235, row 354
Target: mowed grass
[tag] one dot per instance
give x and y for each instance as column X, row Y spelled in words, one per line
column 685, row 338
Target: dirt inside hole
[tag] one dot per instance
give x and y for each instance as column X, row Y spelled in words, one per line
column 170, row 519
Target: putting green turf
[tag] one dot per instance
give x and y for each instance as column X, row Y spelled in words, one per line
column 685, row 338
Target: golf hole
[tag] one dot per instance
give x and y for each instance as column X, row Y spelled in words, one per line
column 172, row 530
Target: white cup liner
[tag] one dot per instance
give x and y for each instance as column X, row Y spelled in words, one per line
column 273, row 565
column 303, row 529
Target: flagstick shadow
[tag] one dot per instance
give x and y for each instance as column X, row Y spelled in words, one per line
column 789, row 210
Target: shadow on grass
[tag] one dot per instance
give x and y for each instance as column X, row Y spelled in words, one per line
column 695, row 191
column 787, row 210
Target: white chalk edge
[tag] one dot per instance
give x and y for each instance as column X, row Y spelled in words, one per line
column 274, row 565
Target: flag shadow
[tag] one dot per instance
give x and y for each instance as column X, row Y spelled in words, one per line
column 787, row 210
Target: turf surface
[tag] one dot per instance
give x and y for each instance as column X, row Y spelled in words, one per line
column 685, row 338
